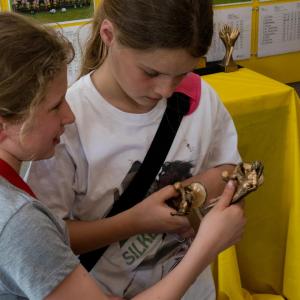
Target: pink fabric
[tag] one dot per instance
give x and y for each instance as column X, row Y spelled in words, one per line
column 191, row 86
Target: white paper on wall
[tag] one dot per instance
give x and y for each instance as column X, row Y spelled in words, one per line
column 77, row 35
column 279, row 29
column 240, row 18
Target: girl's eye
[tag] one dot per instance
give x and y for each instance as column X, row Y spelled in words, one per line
column 151, row 74
column 56, row 107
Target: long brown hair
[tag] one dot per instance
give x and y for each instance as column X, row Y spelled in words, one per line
column 151, row 24
column 30, row 56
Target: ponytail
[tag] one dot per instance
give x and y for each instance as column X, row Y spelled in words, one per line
column 96, row 50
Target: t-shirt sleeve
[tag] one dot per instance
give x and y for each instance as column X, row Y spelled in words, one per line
column 224, row 143
column 57, row 181
column 35, row 257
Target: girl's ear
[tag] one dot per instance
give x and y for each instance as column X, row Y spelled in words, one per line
column 3, row 134
column 107, row 32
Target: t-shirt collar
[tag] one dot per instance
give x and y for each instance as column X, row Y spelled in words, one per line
column 14, row 178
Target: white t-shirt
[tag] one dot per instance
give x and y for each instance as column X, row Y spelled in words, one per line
column 99, row 155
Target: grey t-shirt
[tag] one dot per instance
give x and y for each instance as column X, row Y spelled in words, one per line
column 34, row 247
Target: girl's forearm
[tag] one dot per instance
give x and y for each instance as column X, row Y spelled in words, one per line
column 87, row 236
column 175, row 284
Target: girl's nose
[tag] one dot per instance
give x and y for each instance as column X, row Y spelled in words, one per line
column 67, row 115
column 166, row 87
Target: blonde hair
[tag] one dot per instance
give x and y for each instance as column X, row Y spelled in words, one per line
column 30, row 56
column 151, row 24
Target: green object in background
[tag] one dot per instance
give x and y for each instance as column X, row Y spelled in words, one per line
column 55, row 11
column 229, row 1
column 69, row 15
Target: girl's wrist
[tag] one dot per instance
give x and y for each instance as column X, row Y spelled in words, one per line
column 133, row 221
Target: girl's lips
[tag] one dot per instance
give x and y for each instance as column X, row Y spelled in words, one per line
column 56, row 140
column 153, row 99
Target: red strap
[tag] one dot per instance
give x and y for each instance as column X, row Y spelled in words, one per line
column 191, row 86
column 14, row 178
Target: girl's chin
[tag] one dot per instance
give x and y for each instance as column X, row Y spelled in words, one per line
column 48, row 155
column 56, row 141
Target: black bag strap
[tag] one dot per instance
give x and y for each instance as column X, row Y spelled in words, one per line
column 177, row 106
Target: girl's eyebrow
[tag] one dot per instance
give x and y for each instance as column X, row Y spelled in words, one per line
column 162, row 73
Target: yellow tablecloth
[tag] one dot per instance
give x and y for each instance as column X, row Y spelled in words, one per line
column 265, row 265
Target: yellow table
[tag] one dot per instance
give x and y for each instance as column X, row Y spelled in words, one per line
column 265, row 265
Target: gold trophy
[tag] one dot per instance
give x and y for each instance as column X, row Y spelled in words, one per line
column 192, row 199
column 229, row 35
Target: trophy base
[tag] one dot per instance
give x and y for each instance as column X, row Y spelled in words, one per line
column 229, row 68
column 212, row 68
